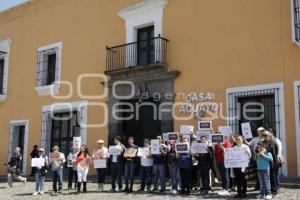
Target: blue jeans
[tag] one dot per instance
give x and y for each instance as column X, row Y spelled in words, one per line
column 224, row 175
column 146, row 177
column 264, row 180
column 159, row 171
column 57, row 178
column 39, row 182
column 174, row 175
column 129, row 173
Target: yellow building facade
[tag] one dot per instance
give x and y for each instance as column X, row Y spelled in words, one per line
column 77, row 59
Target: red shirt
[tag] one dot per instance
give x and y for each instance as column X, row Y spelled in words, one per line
column 79, row 158
column 219, row 152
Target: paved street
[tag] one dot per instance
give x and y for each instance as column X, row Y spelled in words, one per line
column 21, row 191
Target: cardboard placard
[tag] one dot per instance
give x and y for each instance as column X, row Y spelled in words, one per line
column 225, row 130
column 198, row 148
column 217, row 138
column 37, row 162
column 246, row 130
column 182, row 147
column 204, row 125
column 130, row 152
column 100, row 163
column 54, row 156
column 155, row 147
column 98, row 154
column 236, row 157
column 186, row 129
column 115, row 150
column 76, row 142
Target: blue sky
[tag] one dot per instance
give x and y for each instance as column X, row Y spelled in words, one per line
column 6, row 4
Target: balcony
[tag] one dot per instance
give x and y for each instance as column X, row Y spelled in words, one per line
column 137, row 54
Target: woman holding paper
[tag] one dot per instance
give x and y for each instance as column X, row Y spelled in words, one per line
column 100, row 154
column 239, row 173
column 72, row 168
column 40, row 172
column 173, row 165
column 83, row 162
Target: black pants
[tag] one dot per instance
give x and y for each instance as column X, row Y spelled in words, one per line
column 116, row 174
column 72, row 174
column 146, row 177
column 195, row 177
column 204, row 176
column 241, row 181
column 101, row 175
column 186, row 179
column 274, row 178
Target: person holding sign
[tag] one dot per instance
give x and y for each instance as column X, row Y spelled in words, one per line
column 185, row 165
column 116, row 165
column 159, row 168
column 72, row 156
column 57, row 160
column 239, row 173
column 205, row 164
column 224, row 172
column 40, row 172
column 130, row 164
column 100, row 154
column 83, row 162
column 173, row 166
column 146, row 166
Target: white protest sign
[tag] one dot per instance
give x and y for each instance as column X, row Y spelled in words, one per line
column 115, row 150
column 225, row 130
column 76, row 142
column 236, row 157
column 246, row 130
column 165, row 136
column 155, row 147
column 198, row 148
column 37, row 162
column 182, row 147
column 186, row 129
column 100, row 163
column 186, row 136
column 143, row 152
column 206, row 133
column 204, row 125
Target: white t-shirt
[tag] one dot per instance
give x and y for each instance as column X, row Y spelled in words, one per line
column 146, row 161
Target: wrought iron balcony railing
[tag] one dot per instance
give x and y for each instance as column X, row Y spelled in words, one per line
column 135, row 54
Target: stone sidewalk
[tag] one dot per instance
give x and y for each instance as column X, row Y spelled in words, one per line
column 24, row 191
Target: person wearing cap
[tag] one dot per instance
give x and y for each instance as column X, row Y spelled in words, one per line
column 40, row 173
column 146, row 167
column 57, row 166
column 72, row 156
column 173, row 166
column 83, row 162
column 14, row 167
column 101, row 152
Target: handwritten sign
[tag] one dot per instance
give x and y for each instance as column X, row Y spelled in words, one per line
column 37, row 162
column 198, row 148
column 186, row 136
column 225, row 130
column 204, row 125
column 130, row 152
column 100, row 163
column 54, row 156
column 143, row 152
column 115, row 150
column 76, row 142
column 98, row 154
column 155, row 147
column 173, row 136
column 217, row 138
column 165, row 136
column 246, row 130
column 186, row 129
column 236, row 157
column 182, row 147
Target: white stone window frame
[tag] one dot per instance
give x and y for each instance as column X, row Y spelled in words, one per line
column 22, row 122
column 79, row 105
column 293, row 22
column 52, row 89
column 5, row 47
column 281, row 114
column 141, row 15
column 297, row 122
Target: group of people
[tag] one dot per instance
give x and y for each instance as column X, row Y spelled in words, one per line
column 187, row 171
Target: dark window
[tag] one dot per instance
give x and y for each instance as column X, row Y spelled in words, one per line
column 296, row 12
column 51, row 68
column 145, row 45
column 2, row 76
column 47, row 67
column 64, row 128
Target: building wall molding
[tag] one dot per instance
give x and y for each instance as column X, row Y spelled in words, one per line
column 297, row 121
